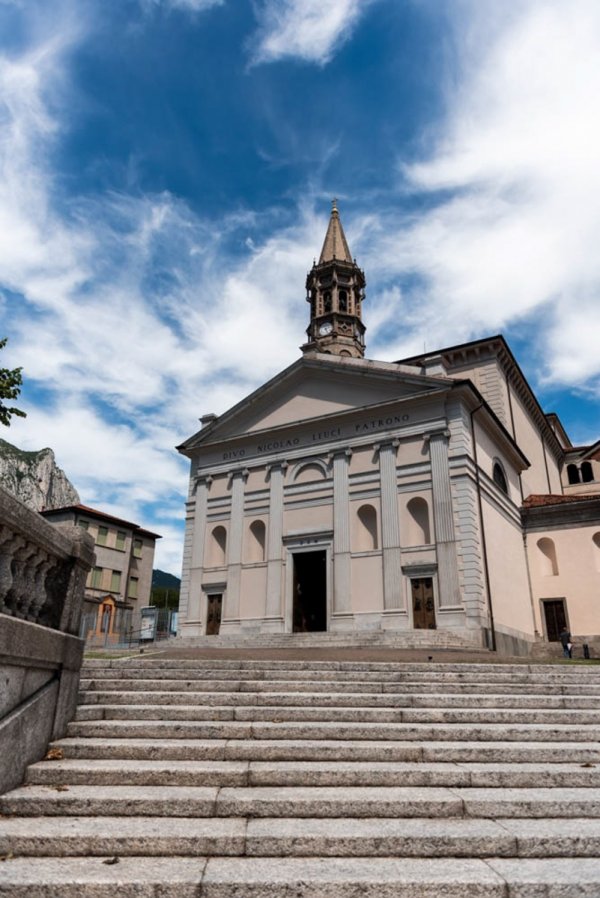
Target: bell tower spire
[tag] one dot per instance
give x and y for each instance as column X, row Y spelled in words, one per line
column 335, row 290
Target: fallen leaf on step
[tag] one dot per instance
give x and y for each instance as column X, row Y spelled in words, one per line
column 55, row 754
column 61, row 788
column 111, row 860
column 587, row 764
column 7, row 857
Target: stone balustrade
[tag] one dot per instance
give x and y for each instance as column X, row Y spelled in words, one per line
column 43, row 568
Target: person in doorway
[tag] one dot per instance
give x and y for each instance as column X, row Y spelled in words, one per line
column 565, row 638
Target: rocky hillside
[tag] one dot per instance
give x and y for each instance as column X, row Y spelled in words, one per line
column 35, row 478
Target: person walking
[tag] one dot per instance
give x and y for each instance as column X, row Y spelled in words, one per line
column 565, row 638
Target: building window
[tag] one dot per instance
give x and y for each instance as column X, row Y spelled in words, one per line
column 573, row 474
column 102, row 536
column 256, row 541
column 137, row 548
column 419, row 531
column 115, row 581
column 327, row 302
column 83, row 524
column 343, row 301
column 367, row 528
column 587, row 474
column 499, row 477
column 218, row 547
column 96, row 578
column 120, row 540
column 548, row 562
column 132, row 590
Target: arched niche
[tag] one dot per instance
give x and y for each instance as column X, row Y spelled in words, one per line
column 256, row 541
column 309, row 471
column 419, row 530
column 367, row 528
column 573, row 474
column 547, row 557
column 218, row 546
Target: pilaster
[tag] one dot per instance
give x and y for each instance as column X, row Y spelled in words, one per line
column 443, row 517
column 191, row 609
column 342, row 599
column 234, row 547
column 390, row 526
column 275, row 539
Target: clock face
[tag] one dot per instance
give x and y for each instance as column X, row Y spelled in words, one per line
column 325, row 328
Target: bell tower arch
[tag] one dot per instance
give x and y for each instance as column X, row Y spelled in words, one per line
column 335, row 290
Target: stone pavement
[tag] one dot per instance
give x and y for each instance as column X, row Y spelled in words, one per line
column 215, row 778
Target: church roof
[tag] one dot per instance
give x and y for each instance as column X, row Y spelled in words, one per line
column 335, row 245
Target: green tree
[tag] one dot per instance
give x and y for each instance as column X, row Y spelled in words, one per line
column 10, row 387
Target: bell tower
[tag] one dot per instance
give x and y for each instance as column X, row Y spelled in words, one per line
column 335, row 290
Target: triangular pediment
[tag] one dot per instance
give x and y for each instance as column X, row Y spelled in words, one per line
column 315, row 387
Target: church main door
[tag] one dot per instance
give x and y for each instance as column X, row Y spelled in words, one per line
column 214, row 604
column 423, row 604
column 310, row 592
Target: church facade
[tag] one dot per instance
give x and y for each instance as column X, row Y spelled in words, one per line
column 348, row 494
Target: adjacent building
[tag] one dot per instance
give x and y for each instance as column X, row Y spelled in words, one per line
column 120, row 582
column 432, row 493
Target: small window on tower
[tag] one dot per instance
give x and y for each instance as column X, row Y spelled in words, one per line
column 327, row 302
column 343, row 301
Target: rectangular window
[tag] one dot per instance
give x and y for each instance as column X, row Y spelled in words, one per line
column 133, row 588
column 102, row 536
column 137, row 548
column 115, row 581
column 120, row 540
column 96, row 579
column 83, row 524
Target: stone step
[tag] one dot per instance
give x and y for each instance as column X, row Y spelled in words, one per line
column 315, row 686
column 341, row 699
column 299, row 801
column 332, row 750
column 119, row 772
column 562, row 717
column 299, row 837
column 340, row 730
column 358, row 877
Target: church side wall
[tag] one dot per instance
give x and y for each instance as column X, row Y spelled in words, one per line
column 544, row 474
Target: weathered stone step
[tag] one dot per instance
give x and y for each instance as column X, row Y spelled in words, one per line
column 341, row 699
column 299, row 801
column 333, row 750
column 300, row 837
column 314, row 686
column 561, row 717
column 232, row 729
column 109, row 772
column 184, row 877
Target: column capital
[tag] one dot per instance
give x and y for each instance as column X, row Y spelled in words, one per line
column 345, row 451
column 443, row 434
column 203, row 479
column 277, row 464
column 238, row 472
column 394, row 443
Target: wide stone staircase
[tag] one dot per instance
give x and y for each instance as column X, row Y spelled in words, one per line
column 257, row 779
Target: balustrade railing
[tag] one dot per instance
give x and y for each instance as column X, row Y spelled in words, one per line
column 43, row 567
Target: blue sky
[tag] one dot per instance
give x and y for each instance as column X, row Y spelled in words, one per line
column 166, row 170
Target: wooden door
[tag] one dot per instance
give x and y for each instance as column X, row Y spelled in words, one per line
column 423, row 604
column 213, row 614
column 556, row 619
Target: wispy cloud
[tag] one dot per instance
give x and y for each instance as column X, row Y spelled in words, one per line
column 186, row 5
column 514, row 190
column 312, row 30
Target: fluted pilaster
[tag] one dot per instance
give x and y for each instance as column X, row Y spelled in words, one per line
column 390, row 527
column 443, row 517
column 342, row 598
column 275, row 539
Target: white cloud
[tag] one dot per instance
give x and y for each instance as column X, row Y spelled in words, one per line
column 186, row 5
column 515, row 227
column 311, row 30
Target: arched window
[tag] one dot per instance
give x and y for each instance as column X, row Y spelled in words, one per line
column 548, row 563
column 499, row 477
column 419, row 531
column 573, row 473
column 587, row 474
column 367, row 528
column 255, row 545
column 218, row 546
column 327, row 302
column 343, row 301
column 596, row 542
